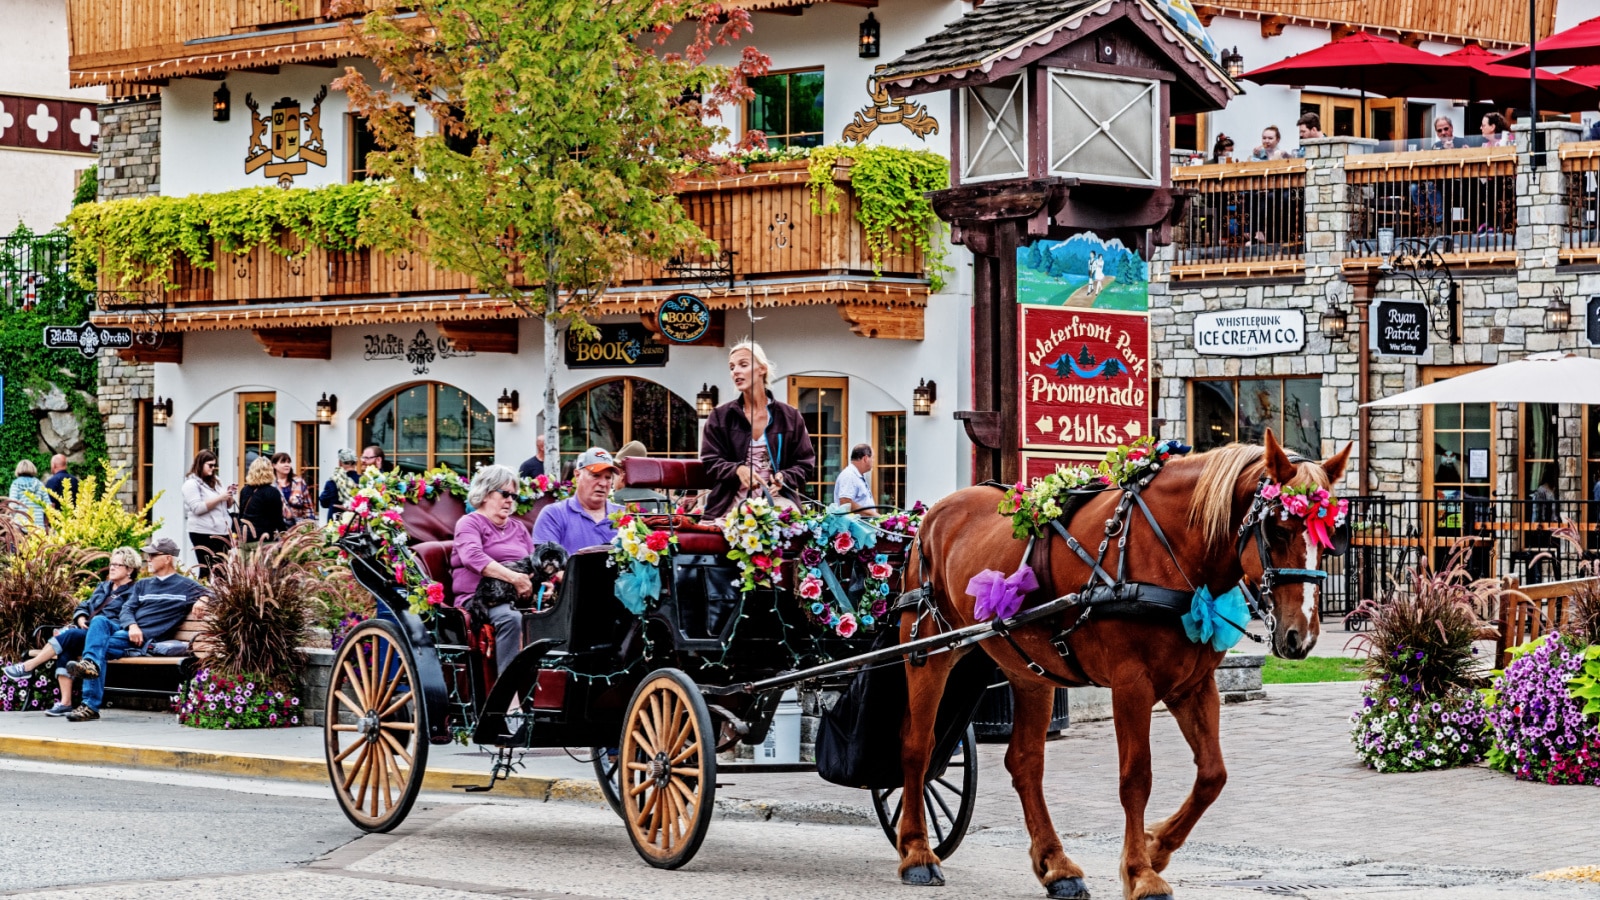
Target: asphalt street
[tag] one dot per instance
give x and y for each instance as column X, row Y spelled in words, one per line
column 77, row 832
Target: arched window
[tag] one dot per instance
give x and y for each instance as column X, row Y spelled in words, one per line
column 430, row 424
column 613, row 413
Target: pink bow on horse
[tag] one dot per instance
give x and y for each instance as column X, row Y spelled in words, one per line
column 999, row 595
column 1322, row 518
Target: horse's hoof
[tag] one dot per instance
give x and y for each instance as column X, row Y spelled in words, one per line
column 1067, row 889
column 924, row 876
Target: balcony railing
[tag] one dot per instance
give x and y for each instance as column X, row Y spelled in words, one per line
column 1463, row 202
column 1581, row 163
column 33, row 270
column 765, row 218
column 1243, row 220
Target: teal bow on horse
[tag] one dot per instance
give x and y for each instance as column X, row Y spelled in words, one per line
column 1218, row 621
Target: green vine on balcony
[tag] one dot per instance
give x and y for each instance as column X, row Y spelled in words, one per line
column 134, row 241
column 892, row 185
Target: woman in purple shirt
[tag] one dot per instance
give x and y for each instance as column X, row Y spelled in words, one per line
column 486, row 539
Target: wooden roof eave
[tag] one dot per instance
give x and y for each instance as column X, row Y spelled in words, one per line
column 1201, row 74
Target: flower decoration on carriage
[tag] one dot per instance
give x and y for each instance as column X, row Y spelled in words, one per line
column 637, row 552
column 374, row 507
column 1322, row 512
column 901, row 527
column 757, row 532
column 840, row 545
column 1032, row 509
column 442, row 480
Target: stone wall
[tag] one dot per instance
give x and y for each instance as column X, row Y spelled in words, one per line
column 1502, row 314
column 130, row 166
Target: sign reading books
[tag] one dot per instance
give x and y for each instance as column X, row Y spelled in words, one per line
column 87, row 338
column 616, row 347
column 684, row 318
column 1399, row 328
column 1085, row 378
column 1250, row 332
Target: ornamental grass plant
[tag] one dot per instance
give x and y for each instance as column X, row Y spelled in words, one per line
column 262, row 603
column 1420, row 707
column 39, row 585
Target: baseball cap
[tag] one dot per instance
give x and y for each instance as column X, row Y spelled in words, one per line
column 161, row 547
column 346, row 457
column 596, row 460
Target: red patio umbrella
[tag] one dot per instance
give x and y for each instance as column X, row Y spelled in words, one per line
column 1577, row 46
column 1366, row 62
column 1487, row 79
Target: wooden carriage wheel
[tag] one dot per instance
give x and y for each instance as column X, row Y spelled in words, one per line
column 947, row 800
column 372, row 736
column 668, row 769
column 606, row 768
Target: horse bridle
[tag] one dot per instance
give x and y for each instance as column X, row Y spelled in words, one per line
column 1262, row 510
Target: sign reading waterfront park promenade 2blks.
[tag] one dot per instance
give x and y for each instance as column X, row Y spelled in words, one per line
column 1249, row 332
column 1085, row 378
column 87, row 338
column 617, row 346
column 1399, row 328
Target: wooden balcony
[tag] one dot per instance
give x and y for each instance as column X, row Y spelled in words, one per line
column 784, row 255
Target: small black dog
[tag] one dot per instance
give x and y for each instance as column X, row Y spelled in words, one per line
column 546, row 560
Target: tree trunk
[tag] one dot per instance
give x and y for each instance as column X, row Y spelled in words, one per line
column 552, row 407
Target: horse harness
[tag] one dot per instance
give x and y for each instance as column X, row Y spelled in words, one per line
column 1118, row 596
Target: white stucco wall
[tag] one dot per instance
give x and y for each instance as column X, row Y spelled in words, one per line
column 36, row 187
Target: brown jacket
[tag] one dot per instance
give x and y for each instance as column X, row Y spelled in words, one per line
column 725, row 446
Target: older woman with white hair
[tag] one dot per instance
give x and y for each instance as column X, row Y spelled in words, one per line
column 754, row 445
column 67, row 643
column 486, row 539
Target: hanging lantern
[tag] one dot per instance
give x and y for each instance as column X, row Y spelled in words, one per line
column 868, row 47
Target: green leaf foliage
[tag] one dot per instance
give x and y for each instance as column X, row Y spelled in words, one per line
column 892, row 185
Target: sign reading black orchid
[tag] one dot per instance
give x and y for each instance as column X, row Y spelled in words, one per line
column 87, row 338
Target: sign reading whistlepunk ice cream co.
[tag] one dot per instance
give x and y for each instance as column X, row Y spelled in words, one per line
column 1249, row 332
column 1085, row 378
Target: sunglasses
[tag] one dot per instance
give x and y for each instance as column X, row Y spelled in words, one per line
column 509, row 495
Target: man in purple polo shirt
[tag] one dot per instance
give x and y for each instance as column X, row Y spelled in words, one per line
column 584, row 520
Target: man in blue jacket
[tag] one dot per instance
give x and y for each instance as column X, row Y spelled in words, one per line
column 155, row 608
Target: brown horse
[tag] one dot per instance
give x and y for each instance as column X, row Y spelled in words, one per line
column 1200, row 503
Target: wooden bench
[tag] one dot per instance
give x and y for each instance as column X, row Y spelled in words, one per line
column 1528, row 612
column 159, row 676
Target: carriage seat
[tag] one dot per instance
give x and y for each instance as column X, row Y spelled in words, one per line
column 669, row 474
column 435, row 557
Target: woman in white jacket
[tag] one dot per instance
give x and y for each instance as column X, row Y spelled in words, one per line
column 205, row 505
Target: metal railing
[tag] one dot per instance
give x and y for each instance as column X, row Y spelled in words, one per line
column 1581, row 240
column 33, row 270
column 1502, row 537
column 1461, row 201
column 1243, row 219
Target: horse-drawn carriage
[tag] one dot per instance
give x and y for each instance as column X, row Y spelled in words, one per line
column 656, row 694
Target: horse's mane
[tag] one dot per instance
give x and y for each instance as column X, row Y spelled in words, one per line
column 1211, row 507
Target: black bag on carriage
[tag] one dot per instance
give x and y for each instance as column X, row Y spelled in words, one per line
column 858, row 740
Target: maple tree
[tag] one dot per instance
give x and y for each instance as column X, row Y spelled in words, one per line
column 559, row 130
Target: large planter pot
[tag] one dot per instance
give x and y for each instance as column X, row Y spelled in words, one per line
column 1239, row 677
column 314, row 681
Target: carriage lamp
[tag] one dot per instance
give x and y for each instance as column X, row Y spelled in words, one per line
column 868, row 47
column 1233, row 61
column 1558, row 315
column 326, row 407
column 923, row 395
column 160, row 411
column 508, row 404
column 1335, row 321
column 705, row 401
column 221, row 104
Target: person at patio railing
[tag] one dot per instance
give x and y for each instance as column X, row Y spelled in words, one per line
column 1445, row 130
column 1271, row 138
column 1222, row 150
column 1543, row 507
column 1496, row 131
column 67, row 643
column 28, row 491
column 1310, row 128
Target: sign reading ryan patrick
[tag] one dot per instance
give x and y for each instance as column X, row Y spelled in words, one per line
column 1249, row 332
column 1085, row 378
column 1400, row 328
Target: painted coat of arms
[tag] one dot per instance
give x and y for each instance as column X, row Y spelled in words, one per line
column 285, row 141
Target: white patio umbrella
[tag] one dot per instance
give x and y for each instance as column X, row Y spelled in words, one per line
column 1555, row 377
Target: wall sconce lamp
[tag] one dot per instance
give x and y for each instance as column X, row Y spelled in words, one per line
column 1335, row 321
column 160, row 412
column 868, row 47
column 1233, row 61
column 326, row 407
column 1558, row 315
column 705, row 401
column 923, row 396
column 221, row 104
column 507, row 406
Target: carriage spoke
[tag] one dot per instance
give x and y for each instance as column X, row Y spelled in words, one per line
column 638, row 767
column 354, row 746
column 401, row 726
column 399, row 702
column 645, row 744
column 397, row 748
column 356, row 685
column 351, row 704
column 639, row 788
column 899, row 804
column 368, row 691
column 388, row 691
column 338, row 727
column 929, row 798
column 688, row 750
column 355, row 767
column 645, row 807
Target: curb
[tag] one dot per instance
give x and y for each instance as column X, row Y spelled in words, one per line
column 286, row 768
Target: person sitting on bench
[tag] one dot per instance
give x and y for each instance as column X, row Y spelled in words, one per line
column 67, row 643
column 153, row 611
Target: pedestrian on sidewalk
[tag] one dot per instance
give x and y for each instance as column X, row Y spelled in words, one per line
column 260, row 504
column 66, row 644
column 205, row 504
column 154, row 609
column 341, row 485
column 62, row 484
column 851, row 490
column 28, row 490
column 298, row 504
column 533, row 466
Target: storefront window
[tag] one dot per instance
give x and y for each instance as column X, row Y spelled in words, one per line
column 824, row 404
column 1540, row 482
column 889, row 458
column 258, row 429
column 1242, row 410
column 613, row 413
column 1462, row 461
column 787, row 108
column 428, row 425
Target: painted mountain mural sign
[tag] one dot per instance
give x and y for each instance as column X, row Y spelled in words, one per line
column 1085, row 378
column 1083, row 272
